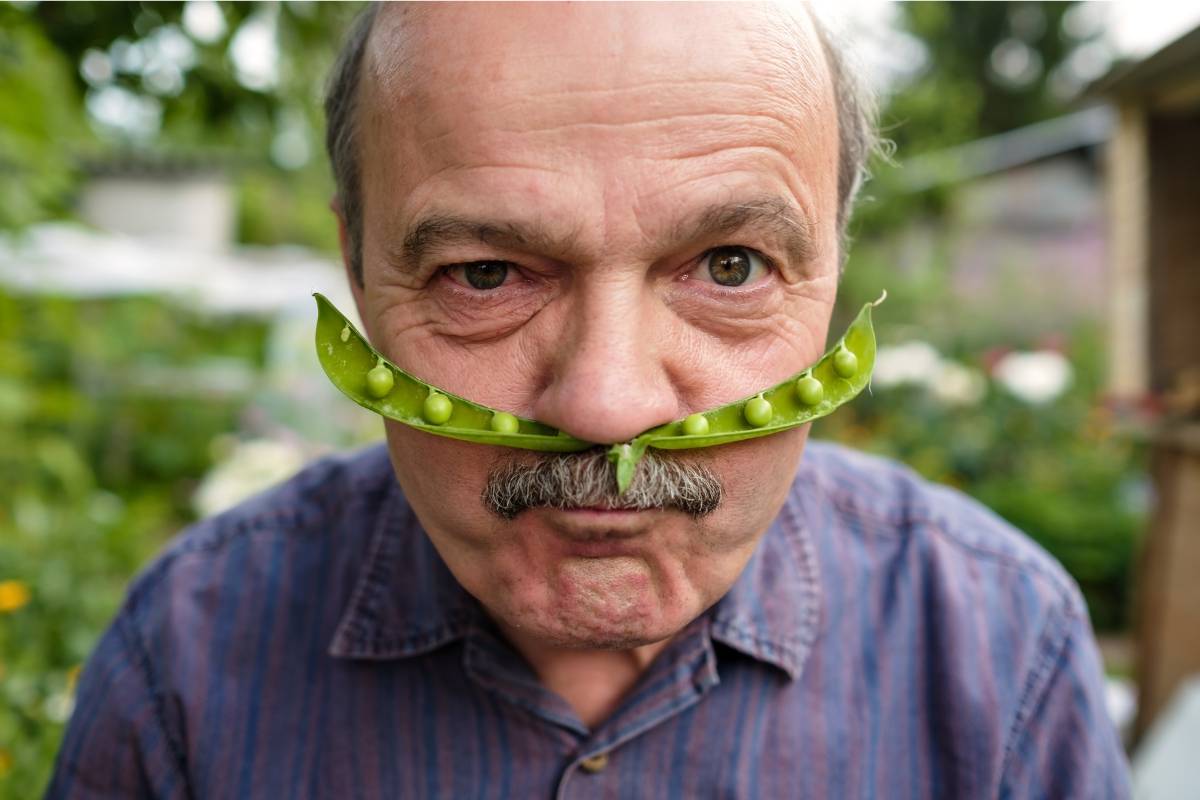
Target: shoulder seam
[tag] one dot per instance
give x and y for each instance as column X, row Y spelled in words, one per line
column 1060, row 583
column 1052, row 645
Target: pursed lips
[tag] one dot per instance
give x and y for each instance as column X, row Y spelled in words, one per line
column 597, row 532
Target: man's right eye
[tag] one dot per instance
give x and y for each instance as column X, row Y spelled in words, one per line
column 482, row 275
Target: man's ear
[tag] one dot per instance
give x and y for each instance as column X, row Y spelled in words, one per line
column 356, row 289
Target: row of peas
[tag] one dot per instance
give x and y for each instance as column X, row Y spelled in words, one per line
column 757, row 410
column 437, row 407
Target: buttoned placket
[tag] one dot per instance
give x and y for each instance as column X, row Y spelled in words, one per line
column 678, row 679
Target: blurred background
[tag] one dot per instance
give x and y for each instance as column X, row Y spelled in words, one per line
column 164, row 219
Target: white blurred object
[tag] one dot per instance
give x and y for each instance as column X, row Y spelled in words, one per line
column 61, row 258
column 918, row 363
column 194, row 209
column 914, row 362
column 1036, row 377
column 203, row 20
column 958, row 385
column 1164, row 767
column 250, row 467
column 1120, row 699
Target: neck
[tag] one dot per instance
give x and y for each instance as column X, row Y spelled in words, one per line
column 593, row 682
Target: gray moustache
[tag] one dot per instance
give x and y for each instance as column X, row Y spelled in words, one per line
column 588, row 479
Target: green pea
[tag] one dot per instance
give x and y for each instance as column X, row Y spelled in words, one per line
column 503, row 422
column 809, row 390
column 380, row 381
column 845, row 363
column 437, row 408
column 345, row 337
column 695, row 425
column 758, row 411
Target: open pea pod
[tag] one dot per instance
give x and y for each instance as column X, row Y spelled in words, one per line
column 349, row 361
column 373, row 382
column 834, row 380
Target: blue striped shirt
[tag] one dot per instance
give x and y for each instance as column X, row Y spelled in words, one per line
column 889, row 639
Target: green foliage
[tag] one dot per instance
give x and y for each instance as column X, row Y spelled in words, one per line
column 39, row 113
column 102, row 438
column 269, row 133
column 287, row 208
column 960, row 95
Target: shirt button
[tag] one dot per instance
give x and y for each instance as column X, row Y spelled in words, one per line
column 594, row 764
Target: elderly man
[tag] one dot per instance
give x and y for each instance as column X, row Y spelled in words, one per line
column 604, row 218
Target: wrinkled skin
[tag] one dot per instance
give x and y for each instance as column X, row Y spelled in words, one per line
column 604, row 129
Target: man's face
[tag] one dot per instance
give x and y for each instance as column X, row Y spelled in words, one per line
column 604, row 217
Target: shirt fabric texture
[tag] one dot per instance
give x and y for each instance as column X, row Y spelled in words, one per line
column 888, row 639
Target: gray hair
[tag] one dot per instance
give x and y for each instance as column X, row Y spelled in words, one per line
column 588, row 480
column 857, row 136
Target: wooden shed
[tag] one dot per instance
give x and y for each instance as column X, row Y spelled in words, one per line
column 1154, row 205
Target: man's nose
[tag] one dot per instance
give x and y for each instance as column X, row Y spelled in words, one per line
column 609, row 379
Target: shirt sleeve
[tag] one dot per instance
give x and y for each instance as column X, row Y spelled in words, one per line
column 116, row 744
column 1064, row 744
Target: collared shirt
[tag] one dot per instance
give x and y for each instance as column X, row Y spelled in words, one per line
column 888, row 639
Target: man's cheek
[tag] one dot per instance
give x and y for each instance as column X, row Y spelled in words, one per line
column 442, row 478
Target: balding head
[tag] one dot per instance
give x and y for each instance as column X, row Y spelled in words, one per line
column 379, row 51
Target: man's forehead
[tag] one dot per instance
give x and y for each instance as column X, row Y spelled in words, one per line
column 424, row 49
column 641, row 115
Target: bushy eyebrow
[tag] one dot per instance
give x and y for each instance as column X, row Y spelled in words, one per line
column 440, row 231
column 770, row 216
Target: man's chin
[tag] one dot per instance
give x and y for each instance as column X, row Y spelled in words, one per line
column 596, row 637
column 611, row 603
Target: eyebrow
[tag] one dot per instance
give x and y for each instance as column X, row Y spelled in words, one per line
column 773, row 216
column 439, row 231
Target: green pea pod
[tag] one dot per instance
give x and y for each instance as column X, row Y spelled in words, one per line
column 347, row 358
column 729, row 423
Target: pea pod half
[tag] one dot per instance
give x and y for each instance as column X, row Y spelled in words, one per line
column 812, row 393
column 349, row 361
column 373, row 382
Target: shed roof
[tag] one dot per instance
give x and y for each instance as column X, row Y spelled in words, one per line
column 1175, row 63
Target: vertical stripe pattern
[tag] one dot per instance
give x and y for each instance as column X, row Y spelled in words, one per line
column 889, row 639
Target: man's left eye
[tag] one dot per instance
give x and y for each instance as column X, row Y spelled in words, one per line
column 731, row 266
column 482, row 275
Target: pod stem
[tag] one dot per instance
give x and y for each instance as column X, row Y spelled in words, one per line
column 625, row 456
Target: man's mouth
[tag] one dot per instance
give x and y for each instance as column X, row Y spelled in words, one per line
column 605, row 509
column 598, row 532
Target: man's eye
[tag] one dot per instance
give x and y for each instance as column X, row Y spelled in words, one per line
column 731, row 266
column 482, row 275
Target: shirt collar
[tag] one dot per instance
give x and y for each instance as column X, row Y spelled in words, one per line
column 773, row 611
column 406, row 601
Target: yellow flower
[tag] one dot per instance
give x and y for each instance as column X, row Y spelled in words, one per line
column 13, row 595
column 6, row 762
column 73, row 677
